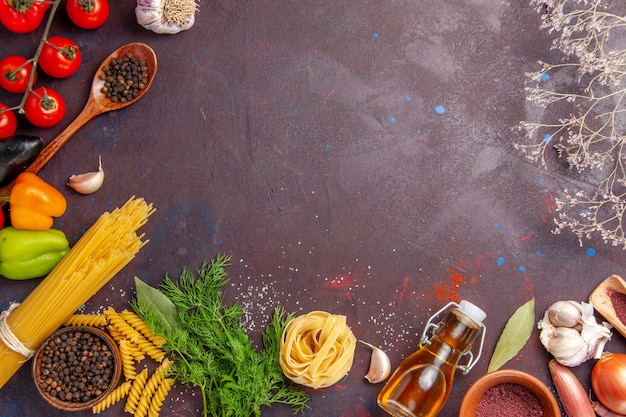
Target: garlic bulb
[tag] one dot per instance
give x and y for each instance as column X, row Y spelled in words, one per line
column 570, row 332
column 89, row 182
column 380, row 365
column 166, row 16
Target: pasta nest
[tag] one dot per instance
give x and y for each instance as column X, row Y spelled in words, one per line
column 317, row 349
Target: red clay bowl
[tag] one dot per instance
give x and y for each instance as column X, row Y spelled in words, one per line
column 469, row 405
column 79, row 405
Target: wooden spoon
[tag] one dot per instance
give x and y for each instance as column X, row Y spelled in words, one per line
column 602, row 303
column 97, row 103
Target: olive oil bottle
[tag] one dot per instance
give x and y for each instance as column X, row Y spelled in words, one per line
column 421, row 384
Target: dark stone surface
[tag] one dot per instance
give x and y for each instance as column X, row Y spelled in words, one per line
column 353, row 157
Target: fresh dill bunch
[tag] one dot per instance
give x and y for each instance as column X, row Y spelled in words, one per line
column 210, row 347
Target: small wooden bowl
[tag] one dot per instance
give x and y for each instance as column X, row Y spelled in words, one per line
column 79, row 406
column 469, row 405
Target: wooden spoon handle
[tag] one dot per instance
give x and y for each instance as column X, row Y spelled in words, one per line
column 89, row 112
column 55, row 145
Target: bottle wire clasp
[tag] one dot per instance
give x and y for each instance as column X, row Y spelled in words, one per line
column 435, row 327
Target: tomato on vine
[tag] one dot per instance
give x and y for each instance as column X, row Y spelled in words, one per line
column 60, row 57
column 22, row 16
column 15, row 72
column 8, row 122
column 88, row 14
column 44, row 107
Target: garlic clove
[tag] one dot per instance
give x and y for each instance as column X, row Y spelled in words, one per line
column 566, row 345
column 89, row 182
column 380, row 365
column 565, row 313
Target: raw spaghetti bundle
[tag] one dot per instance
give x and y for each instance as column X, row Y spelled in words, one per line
column 109, row 245
column 317, row 349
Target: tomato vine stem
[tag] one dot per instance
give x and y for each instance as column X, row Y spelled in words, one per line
column 35, row 58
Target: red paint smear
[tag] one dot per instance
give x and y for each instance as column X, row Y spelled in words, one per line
column 441, row 292
column 549, row 206
column 448, row 291
column 526, row 237
column 403, row 288
column 456, row 278
column 528, row 286
column 355, row 410
column 341, row 282
column 478, row 266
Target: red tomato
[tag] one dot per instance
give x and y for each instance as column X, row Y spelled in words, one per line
column 44, row 107
column 15, row 73
column 8, row 122
column 60, row 57
column 22, row 17
column 88, row 14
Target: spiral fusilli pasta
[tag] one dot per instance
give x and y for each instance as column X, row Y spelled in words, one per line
column 115, row 396
column 147, row 347
column 115, row 334
column 128, row 360
column 150, row 388
column 159, row 396
column 119, row 324
column 136, row 391
column 138, row 324
column 92, row 320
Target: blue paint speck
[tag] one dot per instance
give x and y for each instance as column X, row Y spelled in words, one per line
column 500, row 261
column 591, row 252
column 408, row 98
column 521, row 269
column 541, row 181
column 327, row 146
column 440, row 109
column 392, row 119
column 547, row 138
column 545, row 77
column 496, row 225
column 538, row 253
column 495, row 80
column 374, row 35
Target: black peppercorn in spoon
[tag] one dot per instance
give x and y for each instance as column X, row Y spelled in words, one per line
column 97, row 103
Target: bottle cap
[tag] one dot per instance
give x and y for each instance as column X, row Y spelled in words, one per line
column 473, row 312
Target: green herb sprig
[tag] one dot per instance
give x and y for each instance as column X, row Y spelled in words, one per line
column 210, row 347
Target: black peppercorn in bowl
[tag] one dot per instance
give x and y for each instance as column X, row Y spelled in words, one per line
column 501, row 392
column 76, row 367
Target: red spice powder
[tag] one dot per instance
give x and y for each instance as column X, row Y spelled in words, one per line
column 618, row 300
column 509, row 400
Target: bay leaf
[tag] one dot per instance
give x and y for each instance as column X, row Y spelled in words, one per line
column 514, row 336
column 162, row 306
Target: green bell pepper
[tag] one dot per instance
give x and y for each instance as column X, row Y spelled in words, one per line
column 26, row 254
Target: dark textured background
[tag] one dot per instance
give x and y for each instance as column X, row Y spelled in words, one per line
column 304, row 139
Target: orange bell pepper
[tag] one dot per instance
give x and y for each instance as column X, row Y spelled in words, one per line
column 33, row 202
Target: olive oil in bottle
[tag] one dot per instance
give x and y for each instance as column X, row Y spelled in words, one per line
column 421, row 384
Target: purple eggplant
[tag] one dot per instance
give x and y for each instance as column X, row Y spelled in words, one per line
column 16, row 154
